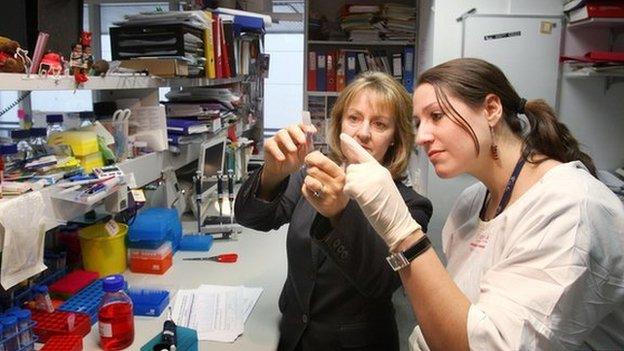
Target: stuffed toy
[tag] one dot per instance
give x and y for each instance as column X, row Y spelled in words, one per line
column 8, row 61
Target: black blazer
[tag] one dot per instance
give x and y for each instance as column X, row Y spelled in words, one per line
column 338, row 291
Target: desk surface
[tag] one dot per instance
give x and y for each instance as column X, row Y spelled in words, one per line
column 261, row 263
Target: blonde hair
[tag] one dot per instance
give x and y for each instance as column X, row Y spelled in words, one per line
column 390, row 94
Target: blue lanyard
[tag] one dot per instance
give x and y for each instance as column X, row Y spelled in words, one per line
column 508, row 190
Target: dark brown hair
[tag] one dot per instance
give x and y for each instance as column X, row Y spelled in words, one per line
column 471, row 80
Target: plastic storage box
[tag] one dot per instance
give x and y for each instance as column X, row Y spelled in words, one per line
column 153, row 226
column 91, row 161
column 63, row 343
column 155, row 261
column 72, row 283
column 148, row 302
column 60, row 323
column 81, row 143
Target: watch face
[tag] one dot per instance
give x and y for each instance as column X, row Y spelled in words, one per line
column 397, row 261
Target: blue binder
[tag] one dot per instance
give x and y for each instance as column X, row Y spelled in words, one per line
column 408, row 69
column 321, row 72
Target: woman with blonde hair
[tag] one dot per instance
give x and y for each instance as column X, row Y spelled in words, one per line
column 338, row 291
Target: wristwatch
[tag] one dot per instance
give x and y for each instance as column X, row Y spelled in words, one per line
column 402, row 259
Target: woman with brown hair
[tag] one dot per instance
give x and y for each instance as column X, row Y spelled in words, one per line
column 534, row 249
column 338, row 291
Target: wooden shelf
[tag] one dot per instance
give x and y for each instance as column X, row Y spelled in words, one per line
column 361, row 43
column 598, row 22
column 14, row 81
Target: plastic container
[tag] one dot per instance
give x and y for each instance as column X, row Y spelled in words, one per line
column 63, row 343
column 151, row 266
column 87, row 118
column 91, row 161
column 153, row 226
column 148, row 302
column 55, row 124
column 67, row 237
column 196, row 242
column 21, row 138
column 82, row 143
column 101, row 252
column 115, row 318
column 42, row 298
column 9, row 332
column 38, row 140
column 63, row 323
column 72, row 283
column 24, row 324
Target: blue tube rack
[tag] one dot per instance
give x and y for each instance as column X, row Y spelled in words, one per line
column 148, row 302
column 86, row 301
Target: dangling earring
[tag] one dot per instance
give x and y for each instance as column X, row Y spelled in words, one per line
column 493, row 147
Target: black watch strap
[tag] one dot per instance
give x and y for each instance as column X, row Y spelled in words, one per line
column 402, row 259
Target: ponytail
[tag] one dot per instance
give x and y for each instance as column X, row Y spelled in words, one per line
column 550, row 137
column 472, row 79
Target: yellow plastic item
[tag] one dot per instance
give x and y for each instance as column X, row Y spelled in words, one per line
column 82, row 143
column 92, row 161
column 101, row 252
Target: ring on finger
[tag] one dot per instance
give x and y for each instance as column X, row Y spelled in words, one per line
column 319, row 192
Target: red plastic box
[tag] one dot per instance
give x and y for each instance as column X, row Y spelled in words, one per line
column 63, row 343
column 57, row 323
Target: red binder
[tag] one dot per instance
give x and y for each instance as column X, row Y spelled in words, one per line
column 312, row 71
column 216, row 33
column 227, row 73
column 331, row 71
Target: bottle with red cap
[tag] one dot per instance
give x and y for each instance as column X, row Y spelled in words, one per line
column 115, row 318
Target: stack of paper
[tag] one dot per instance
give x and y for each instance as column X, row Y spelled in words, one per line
column 217, row 313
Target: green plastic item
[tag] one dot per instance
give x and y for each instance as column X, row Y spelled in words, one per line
column 187, row 340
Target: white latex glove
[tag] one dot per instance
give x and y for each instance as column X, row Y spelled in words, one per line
column 371, row 185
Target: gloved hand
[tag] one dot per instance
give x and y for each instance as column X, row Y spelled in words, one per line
column 371, row 186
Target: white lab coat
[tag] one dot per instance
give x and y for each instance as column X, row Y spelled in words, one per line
column 545, row 274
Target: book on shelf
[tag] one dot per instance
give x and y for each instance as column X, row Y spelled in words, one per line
column 311, row 71
column 187, row 126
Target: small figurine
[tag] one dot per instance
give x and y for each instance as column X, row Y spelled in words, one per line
column 75, row 59
column 51, row 64
column 85, row 39
column 87, row 58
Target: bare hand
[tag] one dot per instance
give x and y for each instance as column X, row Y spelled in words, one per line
column 283, row 155
column 323, row 186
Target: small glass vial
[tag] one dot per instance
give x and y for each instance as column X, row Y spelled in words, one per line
column 38, row 141
column 55, row 124
column 42, row 299
column 23, row 325
column 115, row 318
column 9, row 332
column 21, row 138
column 87, row 118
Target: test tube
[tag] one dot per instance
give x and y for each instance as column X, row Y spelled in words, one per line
column 25, row 334
column 9, row 332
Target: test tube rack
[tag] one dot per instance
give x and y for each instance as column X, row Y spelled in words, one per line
column 56, row 323
column 63, row 343
column 86, row 301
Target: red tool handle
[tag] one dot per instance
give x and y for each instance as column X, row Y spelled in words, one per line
column 227, row 258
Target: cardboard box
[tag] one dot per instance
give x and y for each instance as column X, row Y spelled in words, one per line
column 161, row 67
